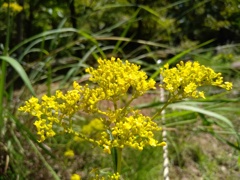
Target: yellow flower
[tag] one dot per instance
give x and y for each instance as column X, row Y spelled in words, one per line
column 116, row 77
column 128, row 129
column 95, row 125
column 115, row 176
column 182, row 81
column 77, row 139
column 14, row 6
column 106, row 149
column 75, row 177
column 96, row 175
column 69, row 153
column 54, row 110
column 115, row 127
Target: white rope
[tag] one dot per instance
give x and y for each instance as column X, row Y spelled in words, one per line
column 164, row 136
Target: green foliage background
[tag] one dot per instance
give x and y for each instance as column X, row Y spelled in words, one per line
column 52, row 42
column 169, row 22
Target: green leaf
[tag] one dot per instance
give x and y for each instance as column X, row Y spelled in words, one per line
column 203, row 111
column 43, row 35
column 20, row 71
column 180, row 55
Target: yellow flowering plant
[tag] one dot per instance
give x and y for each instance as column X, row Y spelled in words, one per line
column 119, row 126
column 13, row 6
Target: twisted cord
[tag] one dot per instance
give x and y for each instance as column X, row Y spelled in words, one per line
column 164, row 136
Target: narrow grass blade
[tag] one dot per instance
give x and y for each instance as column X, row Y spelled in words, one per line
column 20, row 71
column 155, row 13
column 124, row 33
column 178, row 56
column 54, row 174
column 41, row 35
column 225, row 120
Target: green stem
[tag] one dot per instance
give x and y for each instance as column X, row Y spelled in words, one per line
column 160, row 111
column 49, row 78
column 114, row 159
column 116, row 151
column 45, row 163
column 126, row 106
column 4, row 66
column 119, row 160
column 7, row 40
column 2, row 83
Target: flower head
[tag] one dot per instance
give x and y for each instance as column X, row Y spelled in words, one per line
column 128, row 129
column 14, row 6
column 50, row 111
column 116, row 77
column 182, row 81
column 116, row 126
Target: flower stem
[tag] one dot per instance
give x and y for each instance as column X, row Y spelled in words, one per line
column 4, row 66
column 119, row 160
column 160, row 111
column 114, row 158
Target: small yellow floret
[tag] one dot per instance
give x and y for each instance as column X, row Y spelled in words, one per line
column 75, row 177
column 69, row 153
column 115, row 176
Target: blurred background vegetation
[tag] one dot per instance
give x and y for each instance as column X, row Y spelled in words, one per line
column 54, row 41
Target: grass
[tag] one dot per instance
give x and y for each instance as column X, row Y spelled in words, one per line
column 203, row 136
column 195, row 121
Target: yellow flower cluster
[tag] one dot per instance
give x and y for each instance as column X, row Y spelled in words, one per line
column 128, row 128
column 115, row 176
column 14, row 6
column 97, row 176
column 57, row 109
column 182, row 81
column 116, row 77
column 121, row 126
